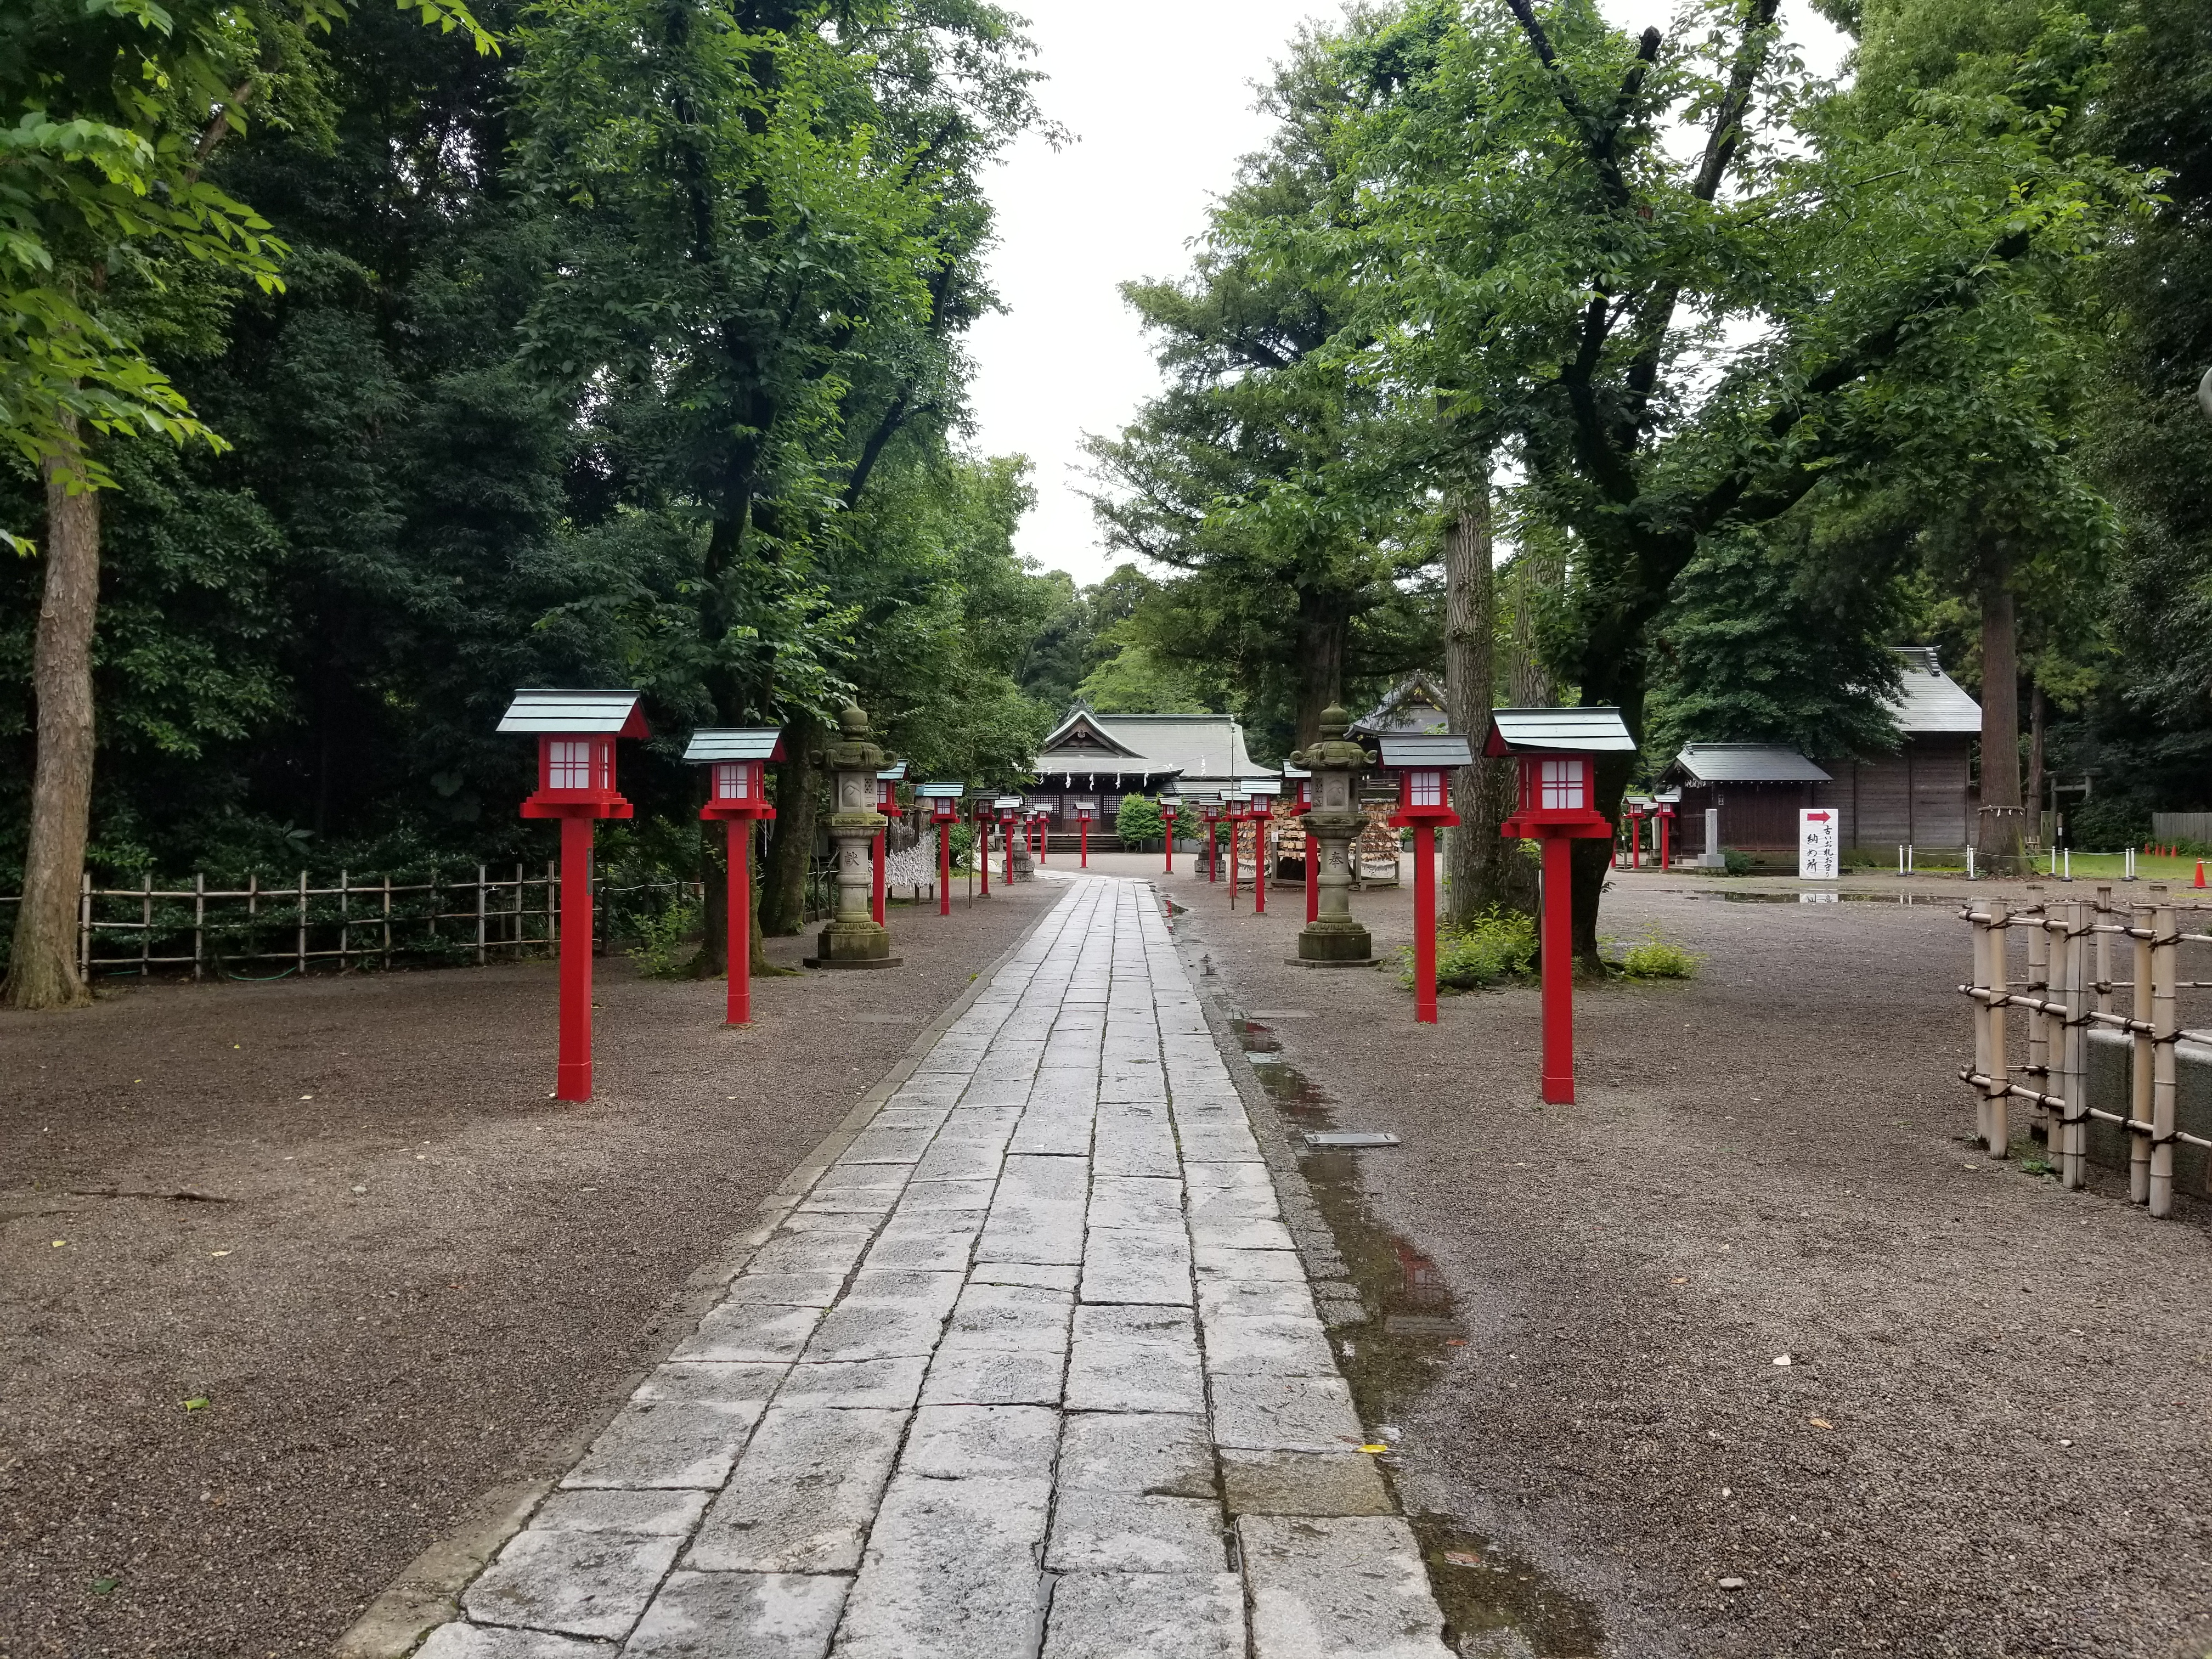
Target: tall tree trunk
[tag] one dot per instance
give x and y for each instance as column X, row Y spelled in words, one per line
column 782, row 903
column 2000, row 831
column 42, row 961
column 1535, row 572
column 2034, row 799
column 1321, row 629
column 1482, row 869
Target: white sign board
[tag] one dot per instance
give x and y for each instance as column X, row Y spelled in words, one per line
column 1816, row 844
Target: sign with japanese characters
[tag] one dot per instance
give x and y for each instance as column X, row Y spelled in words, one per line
column 1816, row 844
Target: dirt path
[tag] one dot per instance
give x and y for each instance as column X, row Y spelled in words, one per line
column 414, row 1276
column 1989, row 1437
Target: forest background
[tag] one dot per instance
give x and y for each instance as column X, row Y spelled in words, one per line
column 388, row 359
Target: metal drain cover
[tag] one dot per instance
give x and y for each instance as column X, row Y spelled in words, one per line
column 1349, row 1138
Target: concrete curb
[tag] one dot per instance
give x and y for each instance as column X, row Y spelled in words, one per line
column 427, row 1593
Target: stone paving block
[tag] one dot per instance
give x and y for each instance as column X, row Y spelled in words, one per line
column 1240, row 1234
column 950, row 1572
column 999, row 1091
column 667, row 1442
column 961, row 1443
column 1010, row 1318
column 749, row 1331
column 945, row 1197
column 1134, row 1359
column 851, row 1201
column 925, row 1242
column 1213, row 1263
column 961, row 1160
column 1064, row 1131
column 1120, row 1531
column 1129, row 1145
column 886, row 1314
column 1044, row 1275
column 1045, row 1180
column 664, row 1513
column 1284, row 1413
column 1149, row 1615
column 879, row 1143
column 1254, row 1298
column 1137, row 1264
column 1351, row 1587
column 836, row 1384
column 711, row 1382
column 981, row 1123
column 1209, row 1176
column 1037, row 1231
column 807, row 1248
column 1138, row 1454
column 1303, row 1483
column 905, row 1113
column 1225, row 1204
column 796, row 1221
column 740, row 1616
column 803, row 1498
column 1135, row 1201
column 814, row 1290
column 463, row 1641
column 1217, row 1143
column 576, row 1583
column 1267, row 1344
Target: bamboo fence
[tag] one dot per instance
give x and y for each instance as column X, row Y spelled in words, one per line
column 2071, row 948
column 360, row 922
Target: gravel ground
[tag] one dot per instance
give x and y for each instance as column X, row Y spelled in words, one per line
column 1990, row 1438
column 423, row 1275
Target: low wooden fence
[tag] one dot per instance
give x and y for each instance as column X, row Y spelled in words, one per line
column 2066, row 990
column 359, row 923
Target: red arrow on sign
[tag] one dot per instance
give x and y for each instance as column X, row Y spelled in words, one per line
column 1816, row 818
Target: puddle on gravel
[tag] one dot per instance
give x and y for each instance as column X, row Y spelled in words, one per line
column 1496, row 1606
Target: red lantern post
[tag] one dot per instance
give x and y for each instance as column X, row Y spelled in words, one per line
column 1304, row 780
column 1424, row 764
column 887, row 783
column 1167, row 832
column 1084, row 809
column 1210, row 810
column 1009, row 815
column 576, row 732
column 983, row 846
column 1261, row 816
column 1665, row 810
column 1635, row 835
column 1556, row 750
column 1233, row 803
column 944, row 801
column 737, row 793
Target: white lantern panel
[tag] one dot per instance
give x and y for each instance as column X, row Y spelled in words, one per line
column 1562, row 785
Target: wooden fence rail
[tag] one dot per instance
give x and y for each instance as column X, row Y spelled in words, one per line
column 358, row 922
column 2067, row 989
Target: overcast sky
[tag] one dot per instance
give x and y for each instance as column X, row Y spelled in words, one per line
column 1158, row 94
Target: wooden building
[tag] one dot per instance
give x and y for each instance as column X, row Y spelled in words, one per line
column 1098, row 758
column 1923, row 793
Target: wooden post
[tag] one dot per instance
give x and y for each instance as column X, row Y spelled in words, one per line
column 1996, row 1132
column 301, row 939
column 345, row 924
column 480, row 915
column 2039, row 1023
column 2141, row 1057
column 146, row 921
column 2074, row 972
column 521, row 928
column 387, row 921
column 2103, row 951
column 84, row 928
column 199, row 920
column 2165, row 953
column 738, row 933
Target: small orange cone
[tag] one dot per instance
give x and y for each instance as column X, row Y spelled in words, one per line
column 2200, row 873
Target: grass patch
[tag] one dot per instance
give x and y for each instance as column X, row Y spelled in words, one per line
column 1499, row 944
column 1654, row 957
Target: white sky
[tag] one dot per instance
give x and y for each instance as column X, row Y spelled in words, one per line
column 1158, row 94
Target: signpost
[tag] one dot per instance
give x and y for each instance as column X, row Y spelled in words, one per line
column 1817, row 858
column 737, row 793
column 576, row 732
column 1556, row 752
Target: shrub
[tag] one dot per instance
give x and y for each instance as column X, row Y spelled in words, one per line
column 1138, row 820
column 660, row 939
column 1654, row 957
column 1500, row 944
column 1739, row 863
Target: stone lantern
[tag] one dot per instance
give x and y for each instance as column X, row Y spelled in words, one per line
column 1332, row 939
column 854, row 938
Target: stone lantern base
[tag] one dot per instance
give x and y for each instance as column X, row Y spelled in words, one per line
column 853, row 945
column 1321, row 945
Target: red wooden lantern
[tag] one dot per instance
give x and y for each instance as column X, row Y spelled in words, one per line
column 1008, row 809
column 1085, row 809
column 737, row 759
column 1305, row 804
column 1167, row 831
column 576, row 732
column 887, row 783
column 1260, row 815
column 1556, row 750
column 1425, row 764
column 944, row 801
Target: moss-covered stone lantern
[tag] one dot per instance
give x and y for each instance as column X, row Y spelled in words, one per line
column 853, row 937
column 1332, row 939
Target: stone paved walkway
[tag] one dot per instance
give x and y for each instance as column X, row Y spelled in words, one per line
column 1032, row 1368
